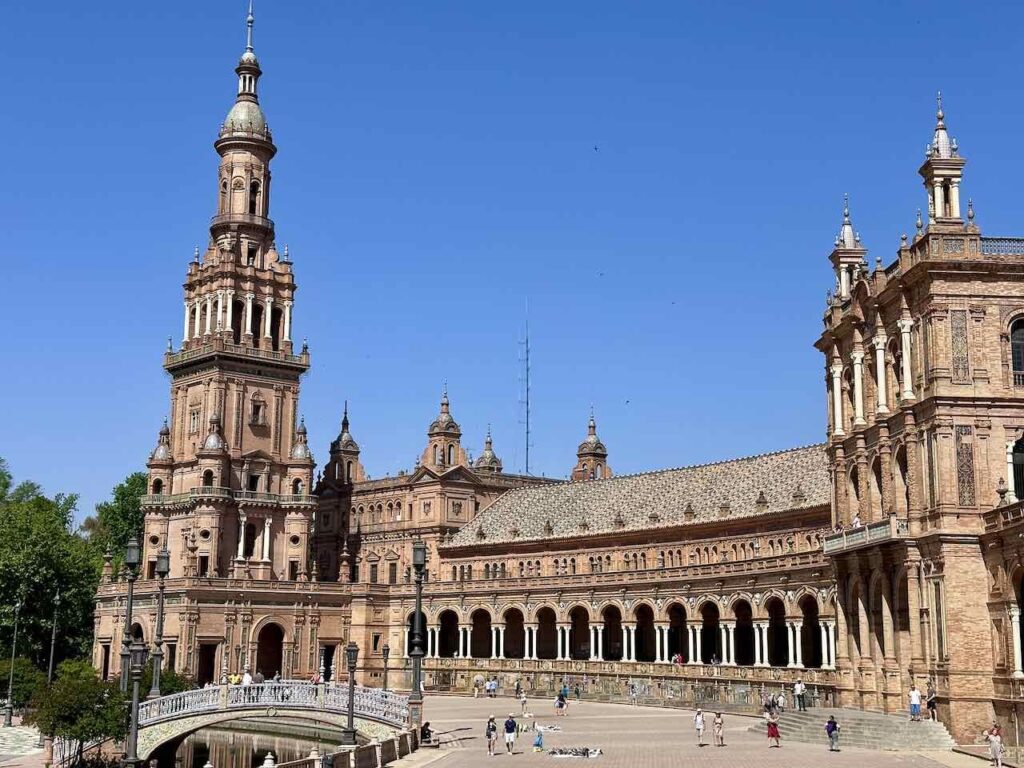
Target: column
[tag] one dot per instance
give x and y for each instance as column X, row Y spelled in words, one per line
column 494, row 642
column 268, row 304
column 184, row 336
column 723, row 641
column 837, row 400
column 798, row 645
column 220, row 310
column 730, row 658
column 248, row 314
column 908, row 389
column 533, row 642
column 593, row 643
column 241, row 536
column 858, row 387
column 600, row 642
column 631, row 644
column 826, row 657
column 758, row 660
column 288, row 321
column 465, row 652
column 698, row 635
column 1014, row 611
column 266, row 538
column 229, row 321
column 430, row 642
column 844, row 282
column 939, row 200
column 196, row 329
column 954, row 198
column 790, row 655
column 209, row 315
column 880, row 375
column 501, row 642
column 657, row 644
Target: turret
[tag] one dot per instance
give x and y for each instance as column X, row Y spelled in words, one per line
column 591, row 456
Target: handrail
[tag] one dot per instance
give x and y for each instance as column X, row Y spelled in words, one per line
column 891, row 528
column 221, row 345
column 158, row 500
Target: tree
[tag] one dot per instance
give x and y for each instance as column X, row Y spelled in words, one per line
column 119, row 519
column 27, row 680
column 79, row 706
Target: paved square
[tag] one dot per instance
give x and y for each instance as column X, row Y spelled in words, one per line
column 639, row 737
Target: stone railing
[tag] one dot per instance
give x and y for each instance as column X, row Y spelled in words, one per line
column 1008, row 246
column 370, row 703
column 866, row 535
column 207, row 491
column 220, row 345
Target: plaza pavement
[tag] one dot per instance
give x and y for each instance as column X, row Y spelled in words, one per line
column 638, row 737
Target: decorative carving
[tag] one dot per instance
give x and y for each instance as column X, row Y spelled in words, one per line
column 965, row 465
column 958, row 330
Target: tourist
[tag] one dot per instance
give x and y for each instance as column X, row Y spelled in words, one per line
column 519, row 687
column 247, row 678
column 780, row 701
column 698, row 726
column 522, row 701
column 277, row 676
column 915, row 704
column 994, row 735
column 538, row 742
column 476, row 690
column 559, row 705
column 510, row 732
column 576, row 691
column 773, row 731
column 832, row 729
column 258, row 678
column 718, row 729
column 799, row 689
column 426, row 735
column 632, row 694
column 931, row 699
column 491, row 733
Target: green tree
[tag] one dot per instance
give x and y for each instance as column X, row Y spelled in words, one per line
column 27, row 680
column 118, row 519
column 79, row 706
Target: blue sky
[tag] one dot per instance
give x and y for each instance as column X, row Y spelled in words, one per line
column 437, row 170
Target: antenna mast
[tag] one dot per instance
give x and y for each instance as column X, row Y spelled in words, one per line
column 525, row 401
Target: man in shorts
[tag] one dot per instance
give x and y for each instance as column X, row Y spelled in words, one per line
column 510, row 732
column 915, row 704
column 698, row 726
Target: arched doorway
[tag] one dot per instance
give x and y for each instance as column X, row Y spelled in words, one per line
column 710, row 647
column 778, row 640
column 448, row 635
column 269, row 650
column 480, row 635
column 612, row 650
column 677, row 632
column 810, row 633
column 743, row 653
column 579, row 633
column 547, row 637
column 515, row 635
column 645, row 639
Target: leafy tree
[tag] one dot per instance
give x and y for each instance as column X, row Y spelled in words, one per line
column 118, row 519
column 27, row 680
column 170, row 681
column 79, row 706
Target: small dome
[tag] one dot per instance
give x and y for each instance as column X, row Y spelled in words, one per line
column 488, row 459
column 162, row 452
column 245, row 117
column 444, row 423
column 248, row 58
column 344, row 441
column 301, row 448
column 214, row 441
column 593, row 444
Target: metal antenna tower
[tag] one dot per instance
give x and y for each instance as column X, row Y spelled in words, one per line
column 525, row 401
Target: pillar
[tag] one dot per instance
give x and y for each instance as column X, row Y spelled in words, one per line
column 266, row 538
column 699, row 655
column 691, row 645
column 631, row 634
column 908, row 388
column 761, row 643
column 248, row 314
column 501, row 642
column 844, row 282
column 730, row 657
column 494, row 642
column 657, row 644
column 196, row 329
column 723, row 641
column 916, row 616
column 939, row 199
column 954, row 198
column 858, row 387
column 241, row 536
column 837, row 400
column 288, row 321
column 228, row 322
column 798, row 645
column 184, row 336
column 827, row 661
column 268, row 305
column 209, row 315
column 1014, row 611
column 758, row 661
column 600, row 642
column 880, row 375
column 533, row 642
column 220, row 310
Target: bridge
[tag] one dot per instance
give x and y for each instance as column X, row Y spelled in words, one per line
column 378, row 713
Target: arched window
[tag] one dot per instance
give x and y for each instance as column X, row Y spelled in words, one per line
column 1017, row 351
column 454, row 573
column 487, row 570
column 158, row 487
column 254, row 196
column 1018, row 468
column 208, row 478
column 348, row 472
column 451, row 455
column 224, row 196
column 297, row 486
column 583, row 466
column 598, row 468
column 437, row 455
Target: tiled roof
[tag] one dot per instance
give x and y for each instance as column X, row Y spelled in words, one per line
column 757, row 485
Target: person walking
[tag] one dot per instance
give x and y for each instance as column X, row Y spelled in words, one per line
column 773, row 731
column 698, row 726
column 780, row 702
column 510, row 732
column 832, row 729
column 491, row 732
column 915, row 704
column 931, row 700
column 718, row 730
column 522, row 701
column 799, row 690
column 994, row 735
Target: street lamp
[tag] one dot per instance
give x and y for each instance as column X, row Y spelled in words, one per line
column 385, row 652
column 163, row 567
column 416, row 653
column 9, row 709
column 53, row 645
column 131, row 561
column 348, row 735
column 137, row 655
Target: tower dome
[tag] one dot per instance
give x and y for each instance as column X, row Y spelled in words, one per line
column 162, row 452
column 488, row 460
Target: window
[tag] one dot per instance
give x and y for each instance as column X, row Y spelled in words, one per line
column 293, row 570
column 376, row 642
column 204, row 565
column 193, row 421
column 348, row 472
column 158, row 487
column 451, row 454
column 254, row 196
column 250, row 255
column 258, row 413
column 1018, row 469
column 1017, row 351
column 373, row 573
column 392, row 573
column 151, row 569
column 208, row 478
column 297, row 487
column 249, row 543
column 254, row 483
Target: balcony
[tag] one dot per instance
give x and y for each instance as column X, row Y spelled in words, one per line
column 217, row 345
column 867, row 535
column 242, row 218
column 1002, row 246
column 215, row 492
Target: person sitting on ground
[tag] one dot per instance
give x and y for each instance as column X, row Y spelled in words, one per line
column 426, row 735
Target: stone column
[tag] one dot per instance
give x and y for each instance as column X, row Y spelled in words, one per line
column 798, row 645
column 826, row 656
column 248, row 314
column 880, row 377
column 905, row 327
column 209, row 315
column 268, row 305
column 761, row 644
column 657, row 644
column 184, row 337
column 731, row 631
column 266, row 538
column 723, row 641
column 533, row 642
column 220, row 310
column 916, row 617
column 600, row 642
column 197, row 330
column 632, row 644
column 288, row 321
column 229, row 320
column 241, row 536
column 494, row 642
column 857, row 358
column 501, row 642
column 699, row 655
column 954, row 198
column 691, row 644
column 1014, row 612
column 837, row 400
column 938, row 199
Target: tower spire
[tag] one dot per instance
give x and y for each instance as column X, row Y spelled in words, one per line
column 248, row 31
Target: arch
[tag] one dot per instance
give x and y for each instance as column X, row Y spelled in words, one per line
column 223, row 208
column 254, row 198
column 448, row 634
column 208, row 478
column 853, row 494
column 677, row 631
column 480, row 635
column 900, row 486
column 547, row 635
column 257, row 324
column 249, row 540
column 269, row 649
column 297, row 487
column 875, row 510
column 710, row 637
column 611, row 618
column 137, row 632
column 515, row 634
column 437, row 455
column 810, row 632
column 276, row 324
column 778, row 640
column 1017, row 351
column 579, row 633
column 237, row 318
column 158, row 487
column 743, row 652
column 644, row 635
column 451, row 455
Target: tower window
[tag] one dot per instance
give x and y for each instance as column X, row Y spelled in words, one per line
column 254, row 195
column 158, row 487
column 208, row 478
column 193, row 421
column 451, row 454
column 258, row 413
column 297, row 487
column 254, row 483
column 250, row 255
column 1017, row 351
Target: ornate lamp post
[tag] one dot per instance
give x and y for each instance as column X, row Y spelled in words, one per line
column 131, row 561
column 53, row 645
column 385, row 652
column 348, row 735
column 416, row 652
column 9, row 709
column 137, row 655
column 163, row 567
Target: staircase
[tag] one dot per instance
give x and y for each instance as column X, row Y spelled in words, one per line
column 870, row 730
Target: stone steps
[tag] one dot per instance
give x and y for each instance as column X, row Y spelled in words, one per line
column 872, row 730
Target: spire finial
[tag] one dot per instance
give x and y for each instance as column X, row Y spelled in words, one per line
column 248, row 31
column 846, row 208
column 970, row 209
column 938, row 113
column 919, row 223
column 195, row 254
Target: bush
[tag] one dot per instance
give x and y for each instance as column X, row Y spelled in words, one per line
column 27, row 680
column 79, row 706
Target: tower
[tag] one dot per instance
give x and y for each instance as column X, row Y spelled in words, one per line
column 488, row 460
column 234, row 452
column 591, row 456
column 942, row 171
column 444, row 448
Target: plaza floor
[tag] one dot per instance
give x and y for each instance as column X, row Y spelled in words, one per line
column 639, row 737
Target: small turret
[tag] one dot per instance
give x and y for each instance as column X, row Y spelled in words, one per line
column 591, row 456
column 488, row 461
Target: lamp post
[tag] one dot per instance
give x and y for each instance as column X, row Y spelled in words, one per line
column 385, row 652
column 53, row 645
column 137, row 654
column 9, row 709
column 416, row 653
column 163, row 567
column 348, row 735
column 131, row 562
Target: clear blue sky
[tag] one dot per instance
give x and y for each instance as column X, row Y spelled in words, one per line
column 437, row 169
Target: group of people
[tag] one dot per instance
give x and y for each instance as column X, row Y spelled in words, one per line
column 717, row 725
column 930, row 698
column 511, row 729
column 490, row 688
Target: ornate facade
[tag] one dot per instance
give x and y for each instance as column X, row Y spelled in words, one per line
column 724, row 572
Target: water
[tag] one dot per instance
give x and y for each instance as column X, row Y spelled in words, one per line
column 245, row 744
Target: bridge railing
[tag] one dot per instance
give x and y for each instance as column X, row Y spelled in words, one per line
column 284, row 694
column 178, row 704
